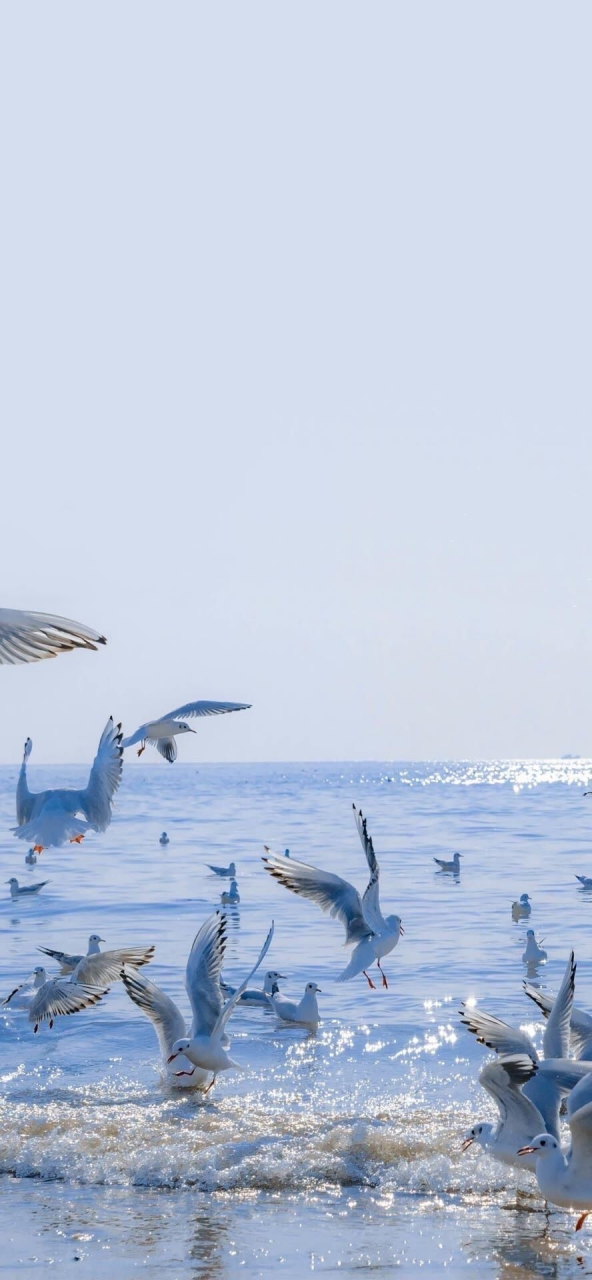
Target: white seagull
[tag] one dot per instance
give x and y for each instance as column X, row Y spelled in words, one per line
column 161, row 733
column 229, row 871
column 24, row 890
column 254, row 996
column 306, row 1012
column 31, row 858
column 519, row 1118
column 545, row 1088
column 453, row 866
column 29, row 637
column 57, row 997
column 363, row 921
column 20, row 997
column 585, row 881
column 49, row 818
column 533, row 954
column 207, row 1048
column 232, row 897
column 522, row 908
column 566, row 1180
column 99, row 967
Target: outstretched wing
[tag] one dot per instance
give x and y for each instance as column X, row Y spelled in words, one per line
column 67, row 962
column 25, row 799
column 580, row 1022
column 205, row 708
column 106, row 966
column 167, row 748
column 59, row 996
column 29, row 637
column 167, row 1019
column 138, row 736
column 503, row 1079
column 202, row 977
column 105, row 777
column 333, row 895
column 27, row 982
column 371, row 898
column 496, row 1034
column 556, row 1036
column 235, row 997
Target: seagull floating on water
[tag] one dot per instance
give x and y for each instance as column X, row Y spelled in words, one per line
column 24, row 890
column 253, row 996
column 585, row 881
column 522, row 908
column 533, row 954
column 208, row 1045
column 232, row 897
column 31, row 858
column 362, row 918
column 161, row 733
column 164, row 838
column 224, row 871
column 453, row 866
column 306, row 1012
column 49, row 817
column 29, row 637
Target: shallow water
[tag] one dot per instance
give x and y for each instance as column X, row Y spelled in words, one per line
column 333, row 1152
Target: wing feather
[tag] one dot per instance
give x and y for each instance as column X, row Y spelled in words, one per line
column 167, row 1019
column 29, row 637
column 336, row 897
column 204, row 708
column 202, row 978
column 105, row 777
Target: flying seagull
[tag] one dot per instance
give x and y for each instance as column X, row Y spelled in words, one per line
column 361, row 918
column 49, row 818
column 29, row 637
column 161, row 733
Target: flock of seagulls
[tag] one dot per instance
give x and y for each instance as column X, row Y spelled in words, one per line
column 528, row 1089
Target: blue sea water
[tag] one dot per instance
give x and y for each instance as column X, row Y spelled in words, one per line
column 331, row 1153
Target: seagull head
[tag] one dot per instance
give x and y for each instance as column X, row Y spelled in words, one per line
column 182, row 727
column 311, row 989
column 524, row 897
column 480, row 1133
column 543, row 1145
column 394, row 924
column 13, row 881
column 530, row 933
column 38, row 970
column 180, row 1046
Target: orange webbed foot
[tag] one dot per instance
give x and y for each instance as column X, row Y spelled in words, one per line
column 77, row 839
column 581, row 1220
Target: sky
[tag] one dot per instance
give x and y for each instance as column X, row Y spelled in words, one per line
column 295, row 322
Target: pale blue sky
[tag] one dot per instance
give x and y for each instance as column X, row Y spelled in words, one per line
column 295, row 324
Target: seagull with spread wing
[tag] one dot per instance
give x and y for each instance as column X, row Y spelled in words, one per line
column 29, row 637
column 161, row 733
column 49, row 818
column 375, row 935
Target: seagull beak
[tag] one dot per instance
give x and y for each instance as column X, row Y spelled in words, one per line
column 401, row 929
column 173, row 1055
column 526, row 1151
column 468, row 1142
column 193, row 730
column 283, row 975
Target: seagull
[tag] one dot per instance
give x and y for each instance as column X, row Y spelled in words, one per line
column 232, row 898
column 252, row 995
column 223, row 871
column 161, row 733
column 453, row 866
column 29, row 637
column 566, row 1181
column 49, row 817
column 580, row 1026
column 533, row 954
column 168, row 1022
column 306, row 1012
column 24, row 890
column 164, row 838
column 99, row 967
column 585, row 881
column 544, row 1089
column 522, row 907
column 362, row 919
column 20, row 997
column 31, row 858
column 208, row 1045
column 60, row 996
column 67, row 962
column 519, row 1118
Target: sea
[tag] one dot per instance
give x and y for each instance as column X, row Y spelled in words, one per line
column 336, row 1153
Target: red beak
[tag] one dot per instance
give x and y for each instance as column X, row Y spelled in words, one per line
column 173, row 1055
column 467, row 1142
column 526, row 1151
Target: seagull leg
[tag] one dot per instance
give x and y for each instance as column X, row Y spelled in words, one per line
column 210, row 1086
column 384, row 981
column 77, row 839
column 142, row 748
column 35, row 1028
column 369, row 980
column 50, row 1023
column 581, row 1220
